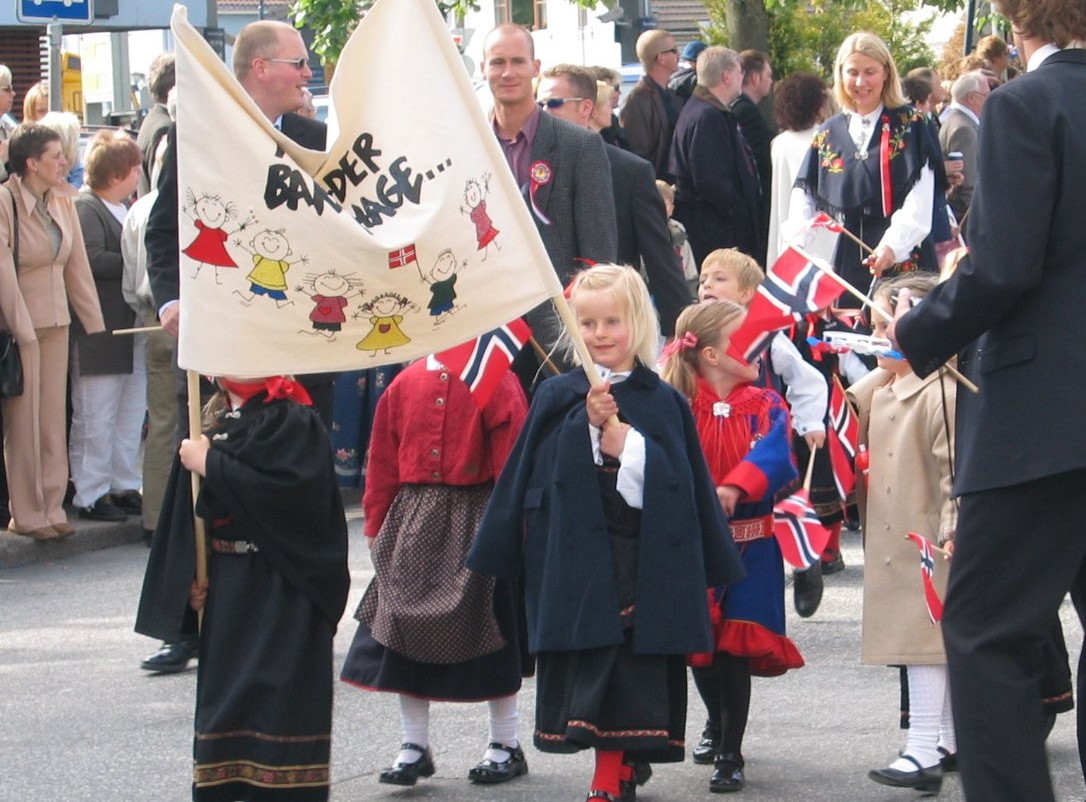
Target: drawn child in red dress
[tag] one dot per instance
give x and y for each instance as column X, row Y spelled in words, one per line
column 330, row 292
column 210, row 214
column 475, row 192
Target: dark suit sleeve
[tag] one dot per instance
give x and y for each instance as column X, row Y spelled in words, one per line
column 636, row 119
column 758, row 135
column 163, row 258
column 1008, row 246
column 665, row 275
column 594, row 203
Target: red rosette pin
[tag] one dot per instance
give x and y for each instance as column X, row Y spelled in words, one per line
column 540, row 173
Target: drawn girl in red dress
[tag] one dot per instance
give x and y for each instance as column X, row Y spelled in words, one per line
column 475, row 192
column 210, row 214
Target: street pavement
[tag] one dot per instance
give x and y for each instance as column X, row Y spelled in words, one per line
column 80, row 722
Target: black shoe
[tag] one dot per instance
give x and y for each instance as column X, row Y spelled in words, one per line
column 103, row 510
column 834, row 565
column 807, row 590
column 927, row 781
column 728, row 775
column 490, row 772
column 705, row 752
column 640, row 773
column 408, row 773
column 129, row 502
column 949, row 761
column 172, row 657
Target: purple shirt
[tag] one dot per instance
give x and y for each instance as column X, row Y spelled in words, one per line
column 518, row 150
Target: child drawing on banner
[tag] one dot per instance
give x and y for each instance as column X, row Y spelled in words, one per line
column 270, row 250
column 330, row 292
column 210, row 214
column 386, row 314
column 475, row 192
column 442, row 281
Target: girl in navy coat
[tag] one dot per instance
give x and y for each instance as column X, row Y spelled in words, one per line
column 618, row 532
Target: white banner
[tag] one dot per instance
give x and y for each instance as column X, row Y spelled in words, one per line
column 418, row 239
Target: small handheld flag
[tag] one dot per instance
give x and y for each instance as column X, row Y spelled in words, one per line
column 481, row 363
column 799, row 533
column 927, row 575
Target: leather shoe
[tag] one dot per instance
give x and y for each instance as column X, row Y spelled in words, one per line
column 834, row 565
column 926, row 780
column 705, row 752
column 172, row 657
column 949, row 761
column 408, row 773
column 490, row 772
column 728, row 774
column 128, row 501
column 103, row 510
column 807, row 590
column 639, row 773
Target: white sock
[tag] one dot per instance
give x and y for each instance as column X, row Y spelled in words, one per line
column 503, row 727
column 414, row 727
column 927, row 697
column 947, row 739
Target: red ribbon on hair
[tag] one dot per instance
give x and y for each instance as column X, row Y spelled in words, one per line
column 884, row 168
column 679, row 344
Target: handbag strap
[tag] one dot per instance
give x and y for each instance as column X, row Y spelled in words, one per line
column 14, row 228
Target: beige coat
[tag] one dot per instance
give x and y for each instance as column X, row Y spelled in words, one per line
column 908, row 490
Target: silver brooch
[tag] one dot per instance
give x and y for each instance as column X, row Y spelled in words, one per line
column 220, row 436
column 722, row 409
column 861, row 154
column 234, row 413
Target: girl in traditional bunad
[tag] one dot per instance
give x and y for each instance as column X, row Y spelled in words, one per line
column 607, row 507
column 429, row 629
column 907, row 423
column 745, row 433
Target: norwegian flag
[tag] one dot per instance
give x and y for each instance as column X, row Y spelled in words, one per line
column 799, row 533
column 927, row 575
column 402, row 257
column 823, row 220
column 842, row 440
column 765, row 315
column 481, row 363
column 798, row 285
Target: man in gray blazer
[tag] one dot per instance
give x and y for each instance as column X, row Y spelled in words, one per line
column 960, row 131
column 562, row 171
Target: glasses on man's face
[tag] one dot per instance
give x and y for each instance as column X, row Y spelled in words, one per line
column 557, row 102
column 297, row 63
column 674, row 50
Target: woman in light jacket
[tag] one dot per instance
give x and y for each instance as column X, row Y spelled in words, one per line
column 51, row 273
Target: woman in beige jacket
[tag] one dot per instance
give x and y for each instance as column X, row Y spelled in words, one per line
column 907, row 423
column 52, row 273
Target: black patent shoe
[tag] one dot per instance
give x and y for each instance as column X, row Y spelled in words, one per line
column 728, row 774
column 705, row 752
column 400, row 773
column 926, row 780
column 640, row 772
column 949, row 760
column 172, row 657
column 491, row 772
column 807, row 590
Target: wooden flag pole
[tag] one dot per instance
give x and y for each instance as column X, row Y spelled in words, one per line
column 829, row 271
column 195, row 430
column 137, row 330
column 542, row 354
column 810, row 470
column 945, row 554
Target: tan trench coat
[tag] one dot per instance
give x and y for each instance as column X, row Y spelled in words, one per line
column 908, row 490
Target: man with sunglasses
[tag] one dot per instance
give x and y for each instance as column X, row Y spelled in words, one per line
column 271, row 63
column 652, row 109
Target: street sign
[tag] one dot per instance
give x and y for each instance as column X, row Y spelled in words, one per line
column 77, row 12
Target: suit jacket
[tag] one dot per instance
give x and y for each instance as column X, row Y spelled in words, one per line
column 152, row 129
column 579, row 204
column 646, row 123
column 39, row 292
column 1026, row 269
column 102, row 354
column 716, row 184
column 960, row 132
column 643, row 234
column 759, row 136
column 547, row 515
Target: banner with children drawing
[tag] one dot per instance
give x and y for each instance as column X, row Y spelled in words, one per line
column 408, row 237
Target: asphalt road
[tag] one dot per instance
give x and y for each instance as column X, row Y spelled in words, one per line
column 79, row 722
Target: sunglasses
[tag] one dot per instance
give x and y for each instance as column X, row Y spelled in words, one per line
column 669, row 50
column 557, row 102
column 297, row 63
